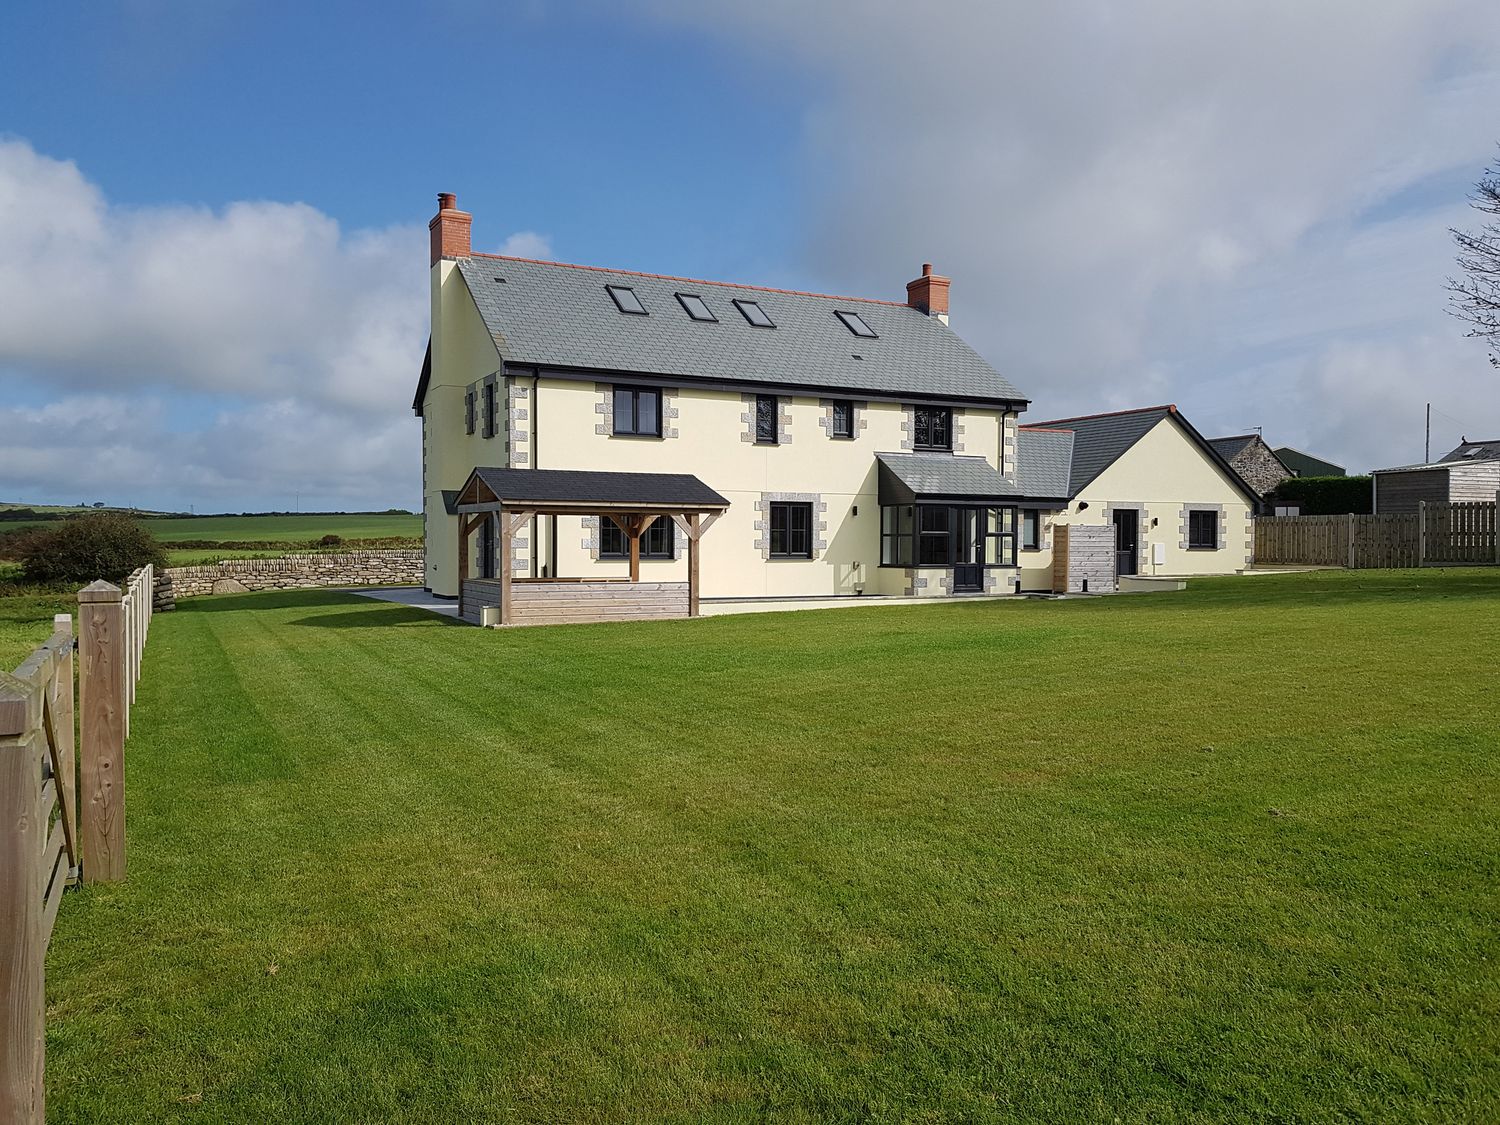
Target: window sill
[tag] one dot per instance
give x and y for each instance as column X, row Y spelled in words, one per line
column 638, row 437
column 932, row 449
column 790, row 558
column 768, row 444
column 1204, row 549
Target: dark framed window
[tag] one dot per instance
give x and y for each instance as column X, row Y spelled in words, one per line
column 896, row 535
column 696, row 307
column 487, row 543
column 791, row 530
column 753, row 313
column 626, row 300
column 932, row 427
column 1031, row 530
column 767, row 415
column 855, row 323
column 843, row 420
column 490, row 427
column 469, row 405
column 637, row 411
column 941, row 535
column 657, row 541
column 1203, row 531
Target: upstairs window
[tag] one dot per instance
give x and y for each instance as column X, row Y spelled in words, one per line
column 626, row 300
column 933, row 428
column 756, row 315
column 791, row 531
column 657, row 541
column 766, row 413
column 842, row 422
column 490, row 427
column 696, row 307
column 469, row 405
column 1203, row 531
column 637, row 411
column 855, row 323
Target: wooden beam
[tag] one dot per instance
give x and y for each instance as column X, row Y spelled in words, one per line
column 708, row 521
column 693, row 533
column 681, row 520
column 463, row 560
column 23, row 834
column 637, row 525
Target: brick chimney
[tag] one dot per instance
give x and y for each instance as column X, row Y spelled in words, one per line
column 449, row 229
column 929, row 293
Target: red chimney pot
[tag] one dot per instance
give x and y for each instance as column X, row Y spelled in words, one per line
column 449, row 231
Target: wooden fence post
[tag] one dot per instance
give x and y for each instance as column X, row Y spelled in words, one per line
column 62, row 714
column 22, row 939
column 1350, row 533
column 102, row 701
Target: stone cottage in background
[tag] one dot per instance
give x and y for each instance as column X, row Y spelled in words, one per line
column 1254, row 460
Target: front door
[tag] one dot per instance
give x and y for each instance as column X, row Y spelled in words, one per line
column 968, row 551
column 1127, row 540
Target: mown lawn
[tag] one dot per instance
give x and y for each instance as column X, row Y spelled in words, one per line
column 1221, row 856
column 26, row 621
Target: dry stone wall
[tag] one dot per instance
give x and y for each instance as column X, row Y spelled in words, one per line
column 290, row 572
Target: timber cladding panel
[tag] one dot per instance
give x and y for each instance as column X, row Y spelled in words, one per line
column 1083, row 559
column 561, row 603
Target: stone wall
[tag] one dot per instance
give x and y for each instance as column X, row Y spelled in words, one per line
column 1259, row 467
column 291, row 572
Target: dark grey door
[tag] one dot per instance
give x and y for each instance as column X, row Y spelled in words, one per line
column 1127, row 540
column 968, row 551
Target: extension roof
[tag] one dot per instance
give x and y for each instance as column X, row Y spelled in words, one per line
column 1099, row 440
column 1474, row 451
column 906, row 478
column 1044, row 462
column 580, row 487
column 559, row 316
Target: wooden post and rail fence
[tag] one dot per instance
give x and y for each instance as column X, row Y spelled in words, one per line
column 62, row 803
column 1459, row 534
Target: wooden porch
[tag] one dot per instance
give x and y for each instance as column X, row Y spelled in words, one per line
column 506, row 500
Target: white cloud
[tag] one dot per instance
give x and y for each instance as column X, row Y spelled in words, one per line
column 224, row 358
column 527, row 244
column 1159, row 200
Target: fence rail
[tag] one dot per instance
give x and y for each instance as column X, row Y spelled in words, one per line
column 1462, row 534
column 62, row 813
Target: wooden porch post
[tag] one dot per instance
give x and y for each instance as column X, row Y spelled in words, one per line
column 505, row 550
column 637, row 525
column 463, row 560
column 693, row 521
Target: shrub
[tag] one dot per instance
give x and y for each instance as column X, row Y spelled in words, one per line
column 104, row 545
column 331, row 541
column 1326, row 496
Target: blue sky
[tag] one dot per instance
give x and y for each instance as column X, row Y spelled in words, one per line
column 211, row 215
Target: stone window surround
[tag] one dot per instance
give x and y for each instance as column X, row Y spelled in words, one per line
column 591, row 541
column 1219, row 523
column 1044, row 520
column 858, row 421
column 605, row 407
column 993, row 576
column 762, row 524
column 909, row 428
column 783, row 419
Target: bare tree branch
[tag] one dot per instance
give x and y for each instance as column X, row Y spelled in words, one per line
column 1475, row 297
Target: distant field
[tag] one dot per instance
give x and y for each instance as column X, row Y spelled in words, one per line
column 287, row 529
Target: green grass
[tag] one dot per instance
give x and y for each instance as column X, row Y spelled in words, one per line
column 1227, row 855
column 26, row 621
column 287, row 528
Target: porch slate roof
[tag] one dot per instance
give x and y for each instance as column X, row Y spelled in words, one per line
column 578, row 486
column 555, row 315
column 1044, row 460
column 908, row 477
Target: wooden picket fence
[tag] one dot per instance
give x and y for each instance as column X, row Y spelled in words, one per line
column 1462, row 534
column 62, row 814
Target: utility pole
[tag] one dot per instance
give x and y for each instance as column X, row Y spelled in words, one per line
column 1427, row 445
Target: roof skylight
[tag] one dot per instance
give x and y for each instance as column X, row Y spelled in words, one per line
column 752, row 312
column 626, row 300
column 855, row 323
column 695, row 307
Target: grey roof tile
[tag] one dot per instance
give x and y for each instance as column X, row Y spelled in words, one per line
column 540, row 486
column 559, row 315
column 1044, row 462
column 907, row 477
column 1099, row 440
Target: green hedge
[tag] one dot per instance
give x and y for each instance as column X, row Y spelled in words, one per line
column 1325, row 496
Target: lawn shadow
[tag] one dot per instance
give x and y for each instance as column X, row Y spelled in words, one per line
column 265, row 599
column 385, row 617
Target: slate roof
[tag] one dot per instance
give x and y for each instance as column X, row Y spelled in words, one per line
column 908, row 477
column 1474, row 451
column 1044, row 462
column 556, row 315
column 1099, row 440
column 1230, row 447
column 579, row 486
